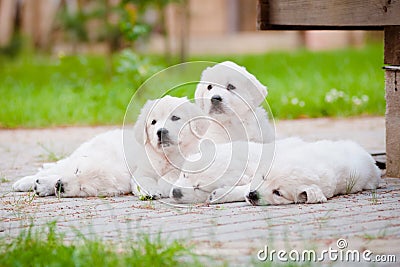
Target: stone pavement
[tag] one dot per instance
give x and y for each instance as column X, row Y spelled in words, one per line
column 234, row 233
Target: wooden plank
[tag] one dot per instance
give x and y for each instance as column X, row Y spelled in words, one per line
column 392, row 84
column 392, row 45
column 327, row 14
column 393, row 122
column 8, row 9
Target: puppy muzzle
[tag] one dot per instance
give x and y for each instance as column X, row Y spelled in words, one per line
column 216, row 105
column 163, row 137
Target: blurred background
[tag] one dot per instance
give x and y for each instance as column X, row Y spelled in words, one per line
column 98, row 52
column 178, row 27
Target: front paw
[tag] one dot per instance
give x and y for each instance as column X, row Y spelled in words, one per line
column 45, row 186
column 59, row 188
column 217, row 195
column 24, row 184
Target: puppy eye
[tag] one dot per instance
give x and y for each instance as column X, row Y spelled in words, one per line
column 230, row 87
column 175, row 118
column 153, row 122
column 209, row 87
column 277, row 193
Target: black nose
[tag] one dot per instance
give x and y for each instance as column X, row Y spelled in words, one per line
column 177, row 193
column 216, row 99
column 161, row 132
column 59, row 187
column 253, row 196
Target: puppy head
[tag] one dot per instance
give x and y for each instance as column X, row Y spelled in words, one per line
column 285, row 189
column 205, row 172
column 226, row 89
column 168, row 122
column 190, row 188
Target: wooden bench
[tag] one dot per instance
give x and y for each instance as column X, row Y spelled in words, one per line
column 350, row 15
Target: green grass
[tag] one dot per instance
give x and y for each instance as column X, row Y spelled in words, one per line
column 41, row 91
column 48, row 248
column 339, row 83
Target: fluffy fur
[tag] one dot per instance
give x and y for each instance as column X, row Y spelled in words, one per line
column 230, row 95
column 229, row 169
column 315, row 172
column 98, row 167
column 301, row 172
column 168, row 131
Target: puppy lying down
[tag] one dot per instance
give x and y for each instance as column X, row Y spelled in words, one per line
column 166, row 130
column 314, row 172
column 301, row 172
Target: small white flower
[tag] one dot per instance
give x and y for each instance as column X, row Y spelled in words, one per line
column 356, row 101
column 328, row 98
column 364, row 98
column 294, row 101
column 302, row 103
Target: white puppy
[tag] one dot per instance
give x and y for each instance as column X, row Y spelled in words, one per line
column 98, row 167
column 168, row 130
column 230, row 174
column 231, row 96
column 300, row 172
column 314, row 172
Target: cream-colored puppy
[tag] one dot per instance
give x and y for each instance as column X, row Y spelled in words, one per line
column 168, row 131
column 314, row 172
column 95, row 168
column 231, row 96
column 300, row 172
column 231, row 170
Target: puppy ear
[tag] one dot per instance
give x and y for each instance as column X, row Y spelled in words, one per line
column 310, row 194
column 140, row 128
column 258, row 91
column 199, row 123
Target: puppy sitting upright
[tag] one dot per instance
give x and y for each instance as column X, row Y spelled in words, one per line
column 231, row 96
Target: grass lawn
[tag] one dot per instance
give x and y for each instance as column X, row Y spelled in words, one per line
column 42, row 91
column 47, row 248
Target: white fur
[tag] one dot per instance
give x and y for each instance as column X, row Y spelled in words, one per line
column 239, row 116
column 98, row 167
column 233, row 167
column 301, row 171
column 159, row 167
column 315, row 172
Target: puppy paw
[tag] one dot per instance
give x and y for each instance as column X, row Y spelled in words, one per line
column 323, row 200
column 217, row 195
column 24, row 184
column 59, row 188
column 45, row 186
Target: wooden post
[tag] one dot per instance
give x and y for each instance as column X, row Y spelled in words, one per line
column 392, row 86
column 8, row 10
